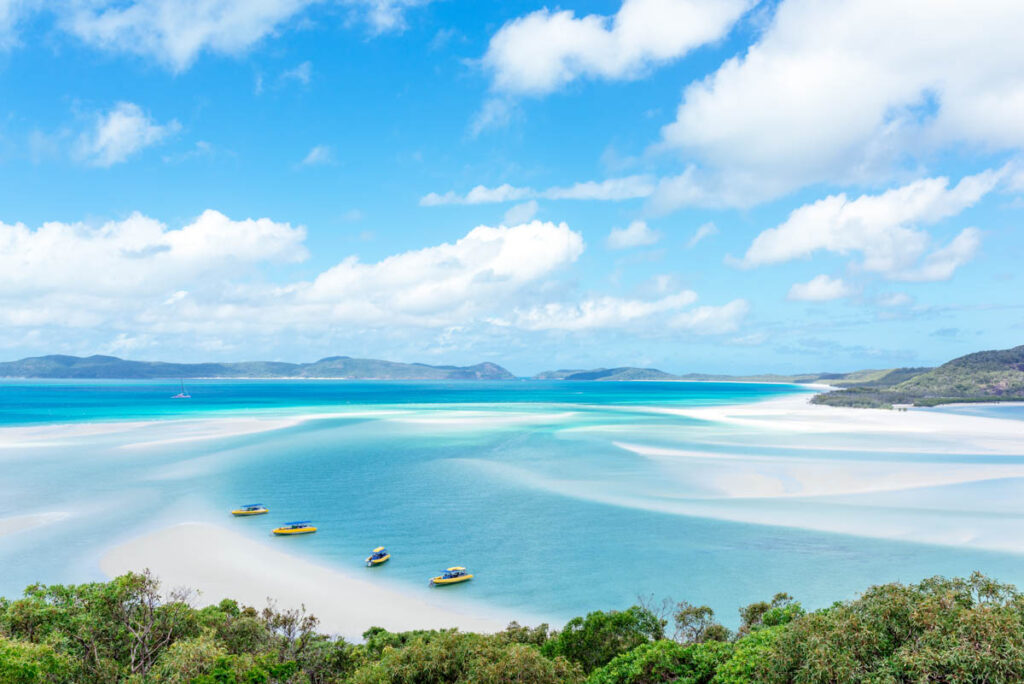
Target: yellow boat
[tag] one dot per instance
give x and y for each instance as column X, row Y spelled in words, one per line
column 293, row 528
column 378, row 556
column 452, row 576
column 250, row 509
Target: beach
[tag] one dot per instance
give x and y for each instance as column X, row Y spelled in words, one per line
column 219, row 564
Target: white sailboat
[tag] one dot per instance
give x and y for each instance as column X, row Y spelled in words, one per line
column 183, row 394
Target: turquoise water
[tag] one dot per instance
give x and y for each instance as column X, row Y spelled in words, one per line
column 561, row 497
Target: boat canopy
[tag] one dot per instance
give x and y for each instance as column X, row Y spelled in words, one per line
column 456, row 569
column 378, row 549
column 299, row 523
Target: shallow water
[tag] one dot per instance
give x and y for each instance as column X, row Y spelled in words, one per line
column 561, row 497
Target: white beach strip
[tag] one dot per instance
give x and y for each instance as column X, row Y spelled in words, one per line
column 223, row 564
column 23, row 523
column 183, row 429
column 795, row 414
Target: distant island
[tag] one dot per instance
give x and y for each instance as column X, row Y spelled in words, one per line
column 979, row 377
column 332, row 367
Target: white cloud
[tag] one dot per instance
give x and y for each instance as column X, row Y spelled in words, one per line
column 542, row 51
column 940, row 264
column 129, row 283
column 136, row 257
column 612, row 189
column 821, row 288
column 881, row 228
column 138, row 277
column 385, row 15
column 175, row 32
column 11, row 13
column 303, row 73
column 637, row 234
column 705, row 230
column 846, row 91
column 320, row 154
column 120, row 133
column 521, row 213
column 602, row 312
column 712, row 320
column 448, row 282
column 496, row 112
column 895, row 299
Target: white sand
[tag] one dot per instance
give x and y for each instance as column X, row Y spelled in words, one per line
column 945, row 432
column 23, row 523
column 223, row 564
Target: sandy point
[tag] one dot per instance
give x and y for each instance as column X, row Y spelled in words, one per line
column 221, row 564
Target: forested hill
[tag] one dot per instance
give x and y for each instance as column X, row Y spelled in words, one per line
column 979, row 377
column 341, row 367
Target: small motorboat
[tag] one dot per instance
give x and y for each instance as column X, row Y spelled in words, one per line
column 297, row 527
column 377, row 556
column 451, row 576
column 250, row 509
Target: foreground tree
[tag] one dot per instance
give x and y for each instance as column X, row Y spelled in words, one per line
column 594, row 640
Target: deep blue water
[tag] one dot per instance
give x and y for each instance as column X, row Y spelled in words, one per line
column 561, row 497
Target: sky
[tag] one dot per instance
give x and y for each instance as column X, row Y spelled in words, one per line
column 724, row 186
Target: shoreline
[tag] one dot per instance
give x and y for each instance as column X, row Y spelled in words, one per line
column 220, row 563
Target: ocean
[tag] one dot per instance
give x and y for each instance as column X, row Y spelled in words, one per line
column 561, row 497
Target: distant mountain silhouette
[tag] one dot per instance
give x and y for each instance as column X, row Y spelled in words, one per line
column 341, row 367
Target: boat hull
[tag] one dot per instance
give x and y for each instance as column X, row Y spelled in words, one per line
column 440, row 581
column 370, row 562
column 282, row 532
column 243, row 514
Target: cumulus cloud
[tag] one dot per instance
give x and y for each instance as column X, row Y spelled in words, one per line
column 612, row 189
column 637, row 234
column 845, row 92
column 131, row 283
column 447, row 282
column 120, row 133
column 543, row 51
column 821, row 288
column 705, row 230
column 135, row 257
column 602, row 312
column 883, row 229
column 138, row 277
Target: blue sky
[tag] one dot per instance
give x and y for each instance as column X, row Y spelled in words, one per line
column 696, row 185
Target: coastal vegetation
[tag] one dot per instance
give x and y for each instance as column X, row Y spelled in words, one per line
column 128, row 630
column 980, row 377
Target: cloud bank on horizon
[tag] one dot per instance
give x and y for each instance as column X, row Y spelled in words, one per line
column 651, row 186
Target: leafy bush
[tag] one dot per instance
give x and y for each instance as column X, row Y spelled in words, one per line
column 954, row 631
column 664, row 661
column 594, row 640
